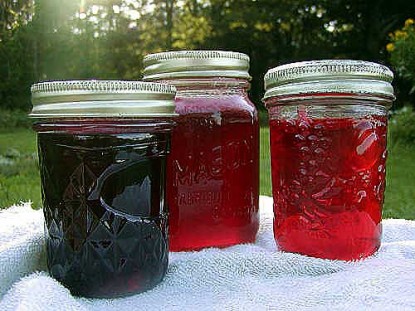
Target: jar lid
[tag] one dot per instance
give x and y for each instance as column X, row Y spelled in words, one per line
column 102, row 98
column 195, row 64
column 346, row 77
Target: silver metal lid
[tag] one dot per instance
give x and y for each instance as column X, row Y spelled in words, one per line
column 102, row 98
column 330, row 76
column 196, row 64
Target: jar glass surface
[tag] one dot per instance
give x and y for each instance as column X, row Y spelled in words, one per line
column 213, row 170
column 102, row 148
column 103, row 189
column 328, row 158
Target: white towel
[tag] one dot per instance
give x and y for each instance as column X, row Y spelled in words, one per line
column 243, row 277
column 21, row 244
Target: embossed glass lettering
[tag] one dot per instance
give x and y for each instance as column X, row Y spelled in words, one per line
column 213, row 172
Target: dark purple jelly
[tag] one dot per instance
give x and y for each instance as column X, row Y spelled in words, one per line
column 105, row 216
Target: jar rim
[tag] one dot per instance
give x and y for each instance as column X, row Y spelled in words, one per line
column 329, row 76
column 194, row 64
column 102, row 98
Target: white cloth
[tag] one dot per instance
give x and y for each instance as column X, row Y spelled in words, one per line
column 242, row 277
column 21, row 244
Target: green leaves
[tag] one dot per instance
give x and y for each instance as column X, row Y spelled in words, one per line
column 107, row 39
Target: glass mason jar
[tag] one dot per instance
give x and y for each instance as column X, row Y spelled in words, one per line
column 102, row 152
column 212, row 171
column 328, row 128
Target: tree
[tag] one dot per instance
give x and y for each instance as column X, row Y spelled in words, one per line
column 107, row 39
column 16, row 68
column 270, row 32
column 362, row 26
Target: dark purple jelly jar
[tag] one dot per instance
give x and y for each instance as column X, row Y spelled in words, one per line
column 102, row 153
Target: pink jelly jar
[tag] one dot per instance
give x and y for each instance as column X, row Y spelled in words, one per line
column 212, row 170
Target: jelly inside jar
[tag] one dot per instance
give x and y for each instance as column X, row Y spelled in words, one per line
column 328, row 180
column 104, row 211
column 213, row 174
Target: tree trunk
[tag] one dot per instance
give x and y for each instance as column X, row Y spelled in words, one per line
column 169, row 23
column 35, row 60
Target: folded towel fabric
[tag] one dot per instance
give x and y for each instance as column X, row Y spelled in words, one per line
column 21, row 244
column 243, row 277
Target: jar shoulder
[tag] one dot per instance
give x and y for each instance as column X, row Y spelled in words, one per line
column 188, row 105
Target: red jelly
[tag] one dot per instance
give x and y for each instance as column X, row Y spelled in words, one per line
column 212, row 171
column 328, row 153
column 329, row 179
column 102, row 155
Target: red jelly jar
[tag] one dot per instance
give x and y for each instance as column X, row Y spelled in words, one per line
column 212, row 171
column 328, row 128
column 102, row 152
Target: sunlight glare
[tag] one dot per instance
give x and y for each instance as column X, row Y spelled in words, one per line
column 95, row 9
column 116, row 9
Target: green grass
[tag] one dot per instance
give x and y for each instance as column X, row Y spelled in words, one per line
column 265, row 163
column 19, row 176
column 400, row 182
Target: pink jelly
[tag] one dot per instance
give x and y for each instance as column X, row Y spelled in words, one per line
column 212, row 171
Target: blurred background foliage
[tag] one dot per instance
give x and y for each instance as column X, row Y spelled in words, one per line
column 76, row 39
